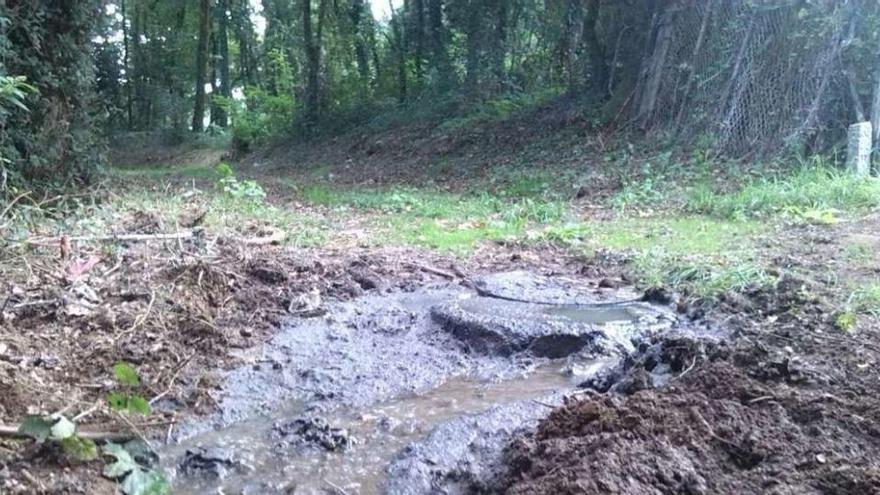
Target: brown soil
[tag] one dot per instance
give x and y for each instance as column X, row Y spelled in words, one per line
column 180, row 312
column 788, row 405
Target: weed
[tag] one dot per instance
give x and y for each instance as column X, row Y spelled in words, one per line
column 229, row 184
column 846, row 321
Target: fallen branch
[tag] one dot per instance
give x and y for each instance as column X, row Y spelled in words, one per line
column 42, row 241
column 435, row 271
column 8, row 431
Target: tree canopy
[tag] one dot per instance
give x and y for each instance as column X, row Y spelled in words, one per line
column 750, row 77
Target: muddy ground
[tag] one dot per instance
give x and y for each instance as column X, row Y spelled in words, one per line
column 181, row 311
column 787, row 406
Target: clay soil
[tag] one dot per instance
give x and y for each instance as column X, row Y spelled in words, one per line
column 787, row 404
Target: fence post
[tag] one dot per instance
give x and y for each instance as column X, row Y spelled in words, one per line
column 858, row 153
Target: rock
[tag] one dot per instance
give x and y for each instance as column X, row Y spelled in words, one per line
column 487, row 325
column 608, row 283
column 214, row 462
column 492, row 326
column 311, row 432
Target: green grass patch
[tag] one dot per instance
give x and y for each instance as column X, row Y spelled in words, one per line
column 703, row 255
column 865, row 299
column 161, row 171
column 812, row 192
column 438, row 219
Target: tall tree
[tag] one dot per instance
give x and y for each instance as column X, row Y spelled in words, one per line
column 313, row 60
column 221, row 62
column 198, row 120
column 594, row 50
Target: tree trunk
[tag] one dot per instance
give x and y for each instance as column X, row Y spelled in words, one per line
column 418, row 33
column 439, row 55
column 595, row 51
column 473, row 60
column 400, row 49
column 656, row 66
column 198, row 120
column 223, row 58
column 313, row 62
column 125, row 65
column 499, row 47
column 358, row 9
column 215, row 88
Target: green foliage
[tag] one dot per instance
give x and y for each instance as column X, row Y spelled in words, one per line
column 865, row 299
column 127, row 377
column 228, row 183
column 13, row 91
column 812, row 191
column 442, row 220
column 258, row 117
column 498, row 108
column 702, row 256
column 79, row 449
column 60, row 430
column 55, row 143
column 135, row 479
column 125, row 374
column 846, row 321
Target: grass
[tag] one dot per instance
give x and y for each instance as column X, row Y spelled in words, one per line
column 440, row 220
column 159, row 171
column 702, row 255
column 866, row 298
column 705, row 246
column 812, row 191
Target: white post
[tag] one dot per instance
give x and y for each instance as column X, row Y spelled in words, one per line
column 858, row 153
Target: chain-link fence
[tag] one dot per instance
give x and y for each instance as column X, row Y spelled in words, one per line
column 754, row 77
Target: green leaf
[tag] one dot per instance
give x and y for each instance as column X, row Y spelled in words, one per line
column 137, row 480
column 79, row 449
column 128, row 403
column 36, row 427
column 117, row 401
column 137, row 404
column 140, row 482
column 123, row 464
column 126, row 374
column 62, row 428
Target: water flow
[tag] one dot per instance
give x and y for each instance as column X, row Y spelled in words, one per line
column 378, row 434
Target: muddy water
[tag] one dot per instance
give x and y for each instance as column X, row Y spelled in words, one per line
column 377, row 433
column 395, row 393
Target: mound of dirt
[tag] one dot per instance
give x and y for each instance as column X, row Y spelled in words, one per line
column 787, row 407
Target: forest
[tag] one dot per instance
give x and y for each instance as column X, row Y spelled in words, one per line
column 439, row 246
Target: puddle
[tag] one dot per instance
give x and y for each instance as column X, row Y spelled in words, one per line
column 377, row 434
column 596, row 316
column 389, row 390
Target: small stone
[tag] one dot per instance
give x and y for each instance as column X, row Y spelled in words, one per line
column 820, row 458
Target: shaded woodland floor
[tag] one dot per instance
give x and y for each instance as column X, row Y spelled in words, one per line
column 168, row 272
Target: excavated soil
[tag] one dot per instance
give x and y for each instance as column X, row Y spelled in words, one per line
column 787, row 405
